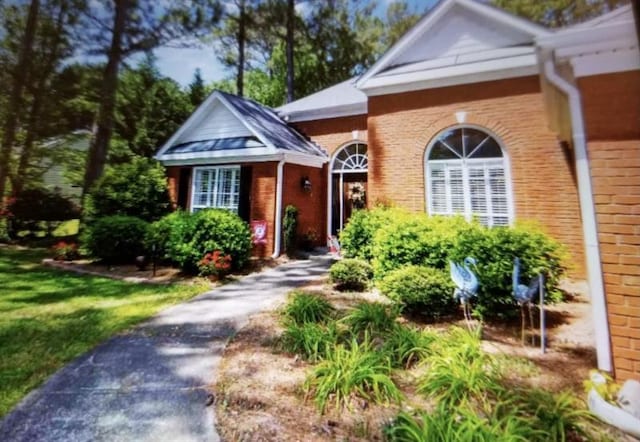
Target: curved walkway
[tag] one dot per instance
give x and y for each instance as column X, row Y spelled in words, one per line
column 150, row 383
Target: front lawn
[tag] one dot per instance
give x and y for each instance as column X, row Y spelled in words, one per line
column 48, row 317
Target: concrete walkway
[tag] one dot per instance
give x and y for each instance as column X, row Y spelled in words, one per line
column 150, row 384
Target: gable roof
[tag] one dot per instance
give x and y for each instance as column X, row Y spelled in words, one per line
column 458, row 41
column 244, row 131
column 342, row 99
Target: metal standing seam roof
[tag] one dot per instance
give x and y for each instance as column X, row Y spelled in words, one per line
column 215, row 145
column 271, row 127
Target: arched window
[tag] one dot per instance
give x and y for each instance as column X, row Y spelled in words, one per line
column 467, row 174
column 351, row 158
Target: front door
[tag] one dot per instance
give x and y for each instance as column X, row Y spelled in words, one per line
column 348, row 184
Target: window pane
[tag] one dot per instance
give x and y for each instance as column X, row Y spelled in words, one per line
column 452, row 139
column 217, row 187
column 478, row 191
column 438, row 190
column 352, row 158
column 456, row 189
column 441, row 152
column 489, row 149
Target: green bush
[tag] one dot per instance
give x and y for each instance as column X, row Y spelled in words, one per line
column 192, row 236
column 405, row 346
column 421, row 290
column 307, row 307
column 115, row 239
column 310, row 340
column 352, row 370
column 35, row 206
column 351, row 274
column 290, row 226
column 136, row 188
column 356, row 239
column 372, row 318
column 166, row 233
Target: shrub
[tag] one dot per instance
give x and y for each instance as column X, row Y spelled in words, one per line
column 405, row 346
column 371, row 318
column 352, row 370
column 351, row 274
column 192, row 236
column 136, row 188
column 34, row 206
column 307, row 307
column 64, row 251
column 422, row 290
column 356, row 239
column 310, row 340
column 214, row 264
column 167, row 234
column 115, row 238
column 290, row 226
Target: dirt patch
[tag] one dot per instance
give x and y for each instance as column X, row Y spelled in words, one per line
column 260, row 394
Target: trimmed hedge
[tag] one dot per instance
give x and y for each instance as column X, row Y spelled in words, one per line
column 422, row 290
column 115, row 239
column 351, row 274
column 184, row 238
column 408, row 239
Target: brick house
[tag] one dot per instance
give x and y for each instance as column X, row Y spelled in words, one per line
column 474, row 111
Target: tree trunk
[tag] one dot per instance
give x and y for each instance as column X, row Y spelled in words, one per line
column 242, row 36
column 97, row 156
column 290, row 25
column 15, row 102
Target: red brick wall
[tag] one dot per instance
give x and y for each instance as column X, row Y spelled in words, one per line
column 612, row 113
column 312, row 205
column 263, row 202
column 333, row 133
column 173, row 178
column 400, row 127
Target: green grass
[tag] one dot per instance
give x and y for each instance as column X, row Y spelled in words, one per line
column 49, row 317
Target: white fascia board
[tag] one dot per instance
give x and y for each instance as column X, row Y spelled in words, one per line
column 304, row 160
column 214, row 156
column 249, row 126
column 455, row 75
column 195, row 117
column 241, row 159
column 327, row 112
column 607, row 34
column 606, row 63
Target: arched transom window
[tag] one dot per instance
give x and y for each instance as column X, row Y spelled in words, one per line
column 351, row 158
column 467, row 174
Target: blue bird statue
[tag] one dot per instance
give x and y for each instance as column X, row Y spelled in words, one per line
column 524, row 294
column 466, row 284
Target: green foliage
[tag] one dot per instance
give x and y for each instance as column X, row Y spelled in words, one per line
column 371, row 318
column 350, row 371
column 421, row 290
column 461, row 424
column 351, row 274
column 307, row 308
column 404, row 239
column 311, row 340
column 167, row 234
column 191, row 236
column 138, row 188
column 405, row 346
column 459, row 371
column 50, row 317
column 356, row 239
column 290, row 226
column 35, row 205
column 115, row 239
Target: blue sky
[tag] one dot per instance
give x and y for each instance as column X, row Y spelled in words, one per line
column 181, row 63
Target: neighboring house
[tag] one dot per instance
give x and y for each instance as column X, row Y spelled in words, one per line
column 473, row 111
column 56, row 170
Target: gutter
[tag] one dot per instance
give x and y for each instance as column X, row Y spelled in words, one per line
column 589, row 225
column 277, row 231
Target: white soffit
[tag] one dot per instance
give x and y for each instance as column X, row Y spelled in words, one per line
column 460, row 35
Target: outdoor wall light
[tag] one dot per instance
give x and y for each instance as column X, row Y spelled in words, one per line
column 305, row 183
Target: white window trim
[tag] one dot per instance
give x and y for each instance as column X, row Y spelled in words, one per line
column 467, row 194
column 193, row 206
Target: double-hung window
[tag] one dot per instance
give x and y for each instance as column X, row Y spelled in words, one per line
column 467, row 175
column 216, row 187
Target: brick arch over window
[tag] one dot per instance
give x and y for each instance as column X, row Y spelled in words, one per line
column 467, row 173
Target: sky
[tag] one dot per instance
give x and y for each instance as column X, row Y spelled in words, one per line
column 181, row 63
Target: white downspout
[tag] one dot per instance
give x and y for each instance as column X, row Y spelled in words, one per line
column 589, row 226
column 277, row 231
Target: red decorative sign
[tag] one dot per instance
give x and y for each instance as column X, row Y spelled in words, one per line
column 259, row 232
